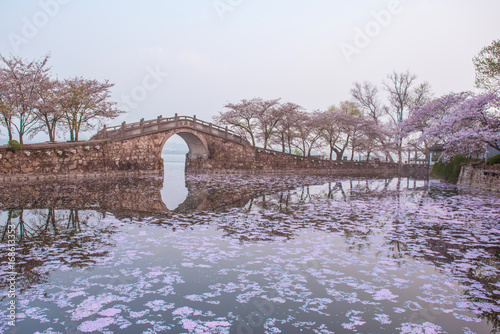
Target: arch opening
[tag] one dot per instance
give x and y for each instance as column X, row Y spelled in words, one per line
column 198, row 148
column 174, row 157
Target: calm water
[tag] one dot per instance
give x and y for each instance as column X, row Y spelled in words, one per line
column 251, row 254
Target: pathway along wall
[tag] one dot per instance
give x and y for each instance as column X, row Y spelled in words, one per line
column 142, row 155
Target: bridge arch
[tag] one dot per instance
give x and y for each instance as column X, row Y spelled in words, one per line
column 198, row 147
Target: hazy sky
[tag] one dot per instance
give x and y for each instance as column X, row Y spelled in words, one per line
column 192, row 56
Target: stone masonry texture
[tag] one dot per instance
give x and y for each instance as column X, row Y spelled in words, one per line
column 142, row 154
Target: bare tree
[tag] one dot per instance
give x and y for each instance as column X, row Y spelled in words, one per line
column 399, row 87
column 422, row 94
column 366, row 95
column 487, row 65
column 402, row 96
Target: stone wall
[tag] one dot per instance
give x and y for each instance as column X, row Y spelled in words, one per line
column 480, row 177
column 134, row 156
column 230, row 157
column 142, row 155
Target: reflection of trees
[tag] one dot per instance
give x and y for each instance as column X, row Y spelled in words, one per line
column 487, row 282
column 418, row 235
column 60, row 237
column 290, row 202
column 435, row 239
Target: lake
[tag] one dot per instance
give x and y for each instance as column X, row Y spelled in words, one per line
column 250, row 254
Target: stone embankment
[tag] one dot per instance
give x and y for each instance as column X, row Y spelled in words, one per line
column 480, row 176
column 142, row 156
column 230, row 157
column 86, row 159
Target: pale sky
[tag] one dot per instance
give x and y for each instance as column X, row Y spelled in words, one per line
column 191, row 57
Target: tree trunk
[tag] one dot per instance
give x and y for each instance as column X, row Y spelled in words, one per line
column 9, row 131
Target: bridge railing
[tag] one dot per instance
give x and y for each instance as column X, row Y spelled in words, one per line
column 118, row 130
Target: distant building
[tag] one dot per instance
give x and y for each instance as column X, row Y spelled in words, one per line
column 491, row 152
column 437, row 150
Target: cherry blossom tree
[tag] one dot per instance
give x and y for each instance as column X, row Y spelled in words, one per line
column 463, row 122
column 6, row 109
column 338, row 125
column 284, row 133
column 256, row 118
column 268, row 114
column 240, row 117
column 307, row 132
column 85, row 101
column 49, row 109
column 21, row 82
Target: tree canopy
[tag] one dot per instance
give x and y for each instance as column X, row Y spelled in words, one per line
column 487, row 65
column 32, row 101
column 464, row 123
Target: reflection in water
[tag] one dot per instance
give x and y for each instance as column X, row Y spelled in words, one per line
column 315, row 254
column 174, row 191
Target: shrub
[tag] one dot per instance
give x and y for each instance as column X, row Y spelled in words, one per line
column 494, row 160
column 14, row 145
column 449, row 171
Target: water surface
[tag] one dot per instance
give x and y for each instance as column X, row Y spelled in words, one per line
column 252, row 254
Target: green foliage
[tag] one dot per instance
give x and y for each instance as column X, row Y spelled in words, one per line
column 494, row 160
column 449, row 171
column 14, row 145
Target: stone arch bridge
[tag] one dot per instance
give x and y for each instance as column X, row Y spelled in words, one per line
column 139, row 145
column 136, row 148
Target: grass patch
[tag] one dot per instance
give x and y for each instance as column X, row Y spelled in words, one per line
column 494, row 160
column 450, row 171
column 14, row 145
